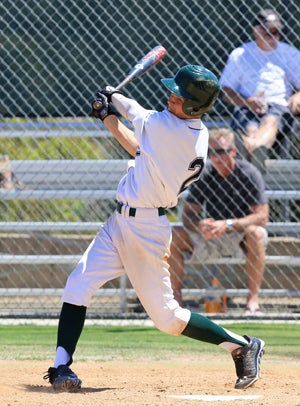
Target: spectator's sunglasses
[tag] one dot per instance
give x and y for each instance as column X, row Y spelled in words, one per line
column 219, row 151
column 272, row 32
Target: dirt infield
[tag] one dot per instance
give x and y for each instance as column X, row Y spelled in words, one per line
column 152, row 383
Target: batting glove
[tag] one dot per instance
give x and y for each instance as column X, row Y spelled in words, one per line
column 108, row 91
column 100, row 107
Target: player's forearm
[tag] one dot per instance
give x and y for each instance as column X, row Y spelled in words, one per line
column 122, row 134
column 128, row 108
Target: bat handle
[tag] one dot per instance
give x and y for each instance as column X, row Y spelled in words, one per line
column 97, row 105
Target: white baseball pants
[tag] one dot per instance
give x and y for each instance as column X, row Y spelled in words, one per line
column 139, row 247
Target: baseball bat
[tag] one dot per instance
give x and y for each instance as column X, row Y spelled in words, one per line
column 147, row 62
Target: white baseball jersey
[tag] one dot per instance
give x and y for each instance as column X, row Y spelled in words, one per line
column 271, row 75
column 170, row 156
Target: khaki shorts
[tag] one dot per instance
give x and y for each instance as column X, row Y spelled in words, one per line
column 229, row 245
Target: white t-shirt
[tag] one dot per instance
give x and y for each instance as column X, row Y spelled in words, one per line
column 270, row 75
column 170, row 156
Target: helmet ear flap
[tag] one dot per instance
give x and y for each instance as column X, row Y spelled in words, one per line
column 191, row 108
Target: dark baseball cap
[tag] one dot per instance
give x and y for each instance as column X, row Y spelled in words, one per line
column 268, row 19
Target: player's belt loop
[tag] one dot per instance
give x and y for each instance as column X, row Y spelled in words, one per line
column 119, row 207
column 161, row 211
column 132, row 212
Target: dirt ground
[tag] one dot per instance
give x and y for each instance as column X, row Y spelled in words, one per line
column 206, row 381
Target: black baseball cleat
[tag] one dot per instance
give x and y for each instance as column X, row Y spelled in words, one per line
column 247, row 362
column 63, row 379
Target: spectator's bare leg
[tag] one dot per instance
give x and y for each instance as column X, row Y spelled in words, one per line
column 264, row 135
column 180, row 244
column 255, row 263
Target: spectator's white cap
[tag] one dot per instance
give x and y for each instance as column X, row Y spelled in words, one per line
column 268, row 19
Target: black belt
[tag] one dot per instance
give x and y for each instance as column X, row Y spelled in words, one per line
column 132, row 210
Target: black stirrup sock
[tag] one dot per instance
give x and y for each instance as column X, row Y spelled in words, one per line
column 71, row 322
column 201, row 328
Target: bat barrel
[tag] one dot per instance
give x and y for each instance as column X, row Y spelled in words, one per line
column 140, row 68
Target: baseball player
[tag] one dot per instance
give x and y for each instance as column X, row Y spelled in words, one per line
column 170, row 149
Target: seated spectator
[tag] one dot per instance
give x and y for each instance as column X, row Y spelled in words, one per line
column 259, row 80
column 233, row 193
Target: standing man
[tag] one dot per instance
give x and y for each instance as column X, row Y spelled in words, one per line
column 236, row 211
column 259, row 81
column 170, row 149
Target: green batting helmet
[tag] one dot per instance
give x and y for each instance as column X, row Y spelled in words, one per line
column 198, row 85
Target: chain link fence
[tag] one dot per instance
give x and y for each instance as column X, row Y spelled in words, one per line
column 54, row 57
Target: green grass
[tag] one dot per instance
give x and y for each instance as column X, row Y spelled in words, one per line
column 105, row 343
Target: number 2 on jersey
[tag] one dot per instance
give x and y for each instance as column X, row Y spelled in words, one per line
column 196, row 166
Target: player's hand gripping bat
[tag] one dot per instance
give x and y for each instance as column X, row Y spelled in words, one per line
column 140, row 68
